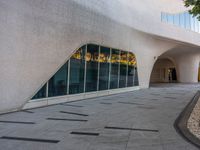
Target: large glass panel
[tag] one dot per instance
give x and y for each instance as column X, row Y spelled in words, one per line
column 77, row 68
column 104, row 59
column 136, row 82
column 123, row 69
column 170, row 18
column 187, row 18
column 41, row 93
column 131, row 69
column 182, row 20
column 164, row 17
column 196, row 24
column 176, row 19
column 199, row 26
column 58, row 83
column 192, row 23
column 92, row 67
column 114, row 75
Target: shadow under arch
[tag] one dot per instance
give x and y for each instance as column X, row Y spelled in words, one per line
column 164, row 71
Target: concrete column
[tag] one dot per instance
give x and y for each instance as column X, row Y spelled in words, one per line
column 145, row 65
column 187, row 66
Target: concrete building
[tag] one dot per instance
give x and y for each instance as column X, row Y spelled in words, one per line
column 149, row 41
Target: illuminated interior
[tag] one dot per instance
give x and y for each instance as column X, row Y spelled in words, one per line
column 92, row 68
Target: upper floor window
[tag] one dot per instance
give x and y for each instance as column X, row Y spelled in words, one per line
column 183, row 20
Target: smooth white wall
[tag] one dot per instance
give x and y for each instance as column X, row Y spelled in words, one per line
column 188, row 67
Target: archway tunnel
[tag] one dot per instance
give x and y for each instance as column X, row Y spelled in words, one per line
column 164, row 71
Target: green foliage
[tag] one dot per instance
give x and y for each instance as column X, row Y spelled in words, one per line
column 194, row 6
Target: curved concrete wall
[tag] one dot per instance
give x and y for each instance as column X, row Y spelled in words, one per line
column 38, row 36
column 188, row 67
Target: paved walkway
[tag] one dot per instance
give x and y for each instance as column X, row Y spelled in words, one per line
column 139, row 120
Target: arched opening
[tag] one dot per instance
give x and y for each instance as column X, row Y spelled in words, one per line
column 164, row 71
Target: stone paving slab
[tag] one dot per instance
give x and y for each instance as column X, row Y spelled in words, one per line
column 160, row 106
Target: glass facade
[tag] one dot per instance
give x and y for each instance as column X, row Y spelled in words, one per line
column 92, row 68
column 114, row 74
column 104, row 68
column 41, row 93
column 57, row 85
column 183, row 20
column 77, row 71
column 123, row 69
column 92, row 58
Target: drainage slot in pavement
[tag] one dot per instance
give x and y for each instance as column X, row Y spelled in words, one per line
column 174, row 93
column 105, row 103
column 154, row 99
column 134, row 129
column 71, row 105
column 155, row 94
column 85, row 133
column 130, row 103
column 29, row 139
column 170, row 97
column 17, row 122
column 145, row 107
column 78, row 114
column 62, row 119
column 28, row 111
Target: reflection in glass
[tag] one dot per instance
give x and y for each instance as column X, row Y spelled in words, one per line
column 184, row 20
column 114, row 75
column 164, row 17
column 123, row 69
column 41, row 93
column 131, row 69
column 170, row 18
column 187, row 21
column 58, row 83
column 77, row 67
column 192, row 23
column 196, row 25
column 116, row 69
column 104, row 59
column 92, row 67
column 176, row 19
column 136, row 81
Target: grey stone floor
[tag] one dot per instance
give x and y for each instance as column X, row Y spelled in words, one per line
column 155, row 109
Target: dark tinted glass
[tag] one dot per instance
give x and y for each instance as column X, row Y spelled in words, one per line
column 131, row 69
column 77, row 67
column 117, row 69
column 92, row 67
column 136, row 82
column 41, row 93
column 104, row 59
column 58, row 83
column 114, row 75
column 123, row 69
